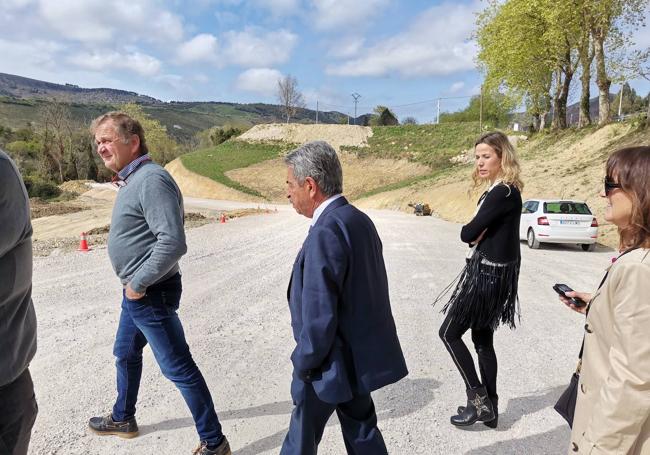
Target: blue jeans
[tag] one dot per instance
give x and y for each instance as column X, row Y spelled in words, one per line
column 153, row 319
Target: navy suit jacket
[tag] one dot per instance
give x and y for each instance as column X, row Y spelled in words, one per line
column 346, row 341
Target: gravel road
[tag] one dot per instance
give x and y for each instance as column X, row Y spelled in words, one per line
column 237, row 324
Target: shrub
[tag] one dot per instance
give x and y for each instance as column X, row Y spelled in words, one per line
column 221, row 135
column 37, row 187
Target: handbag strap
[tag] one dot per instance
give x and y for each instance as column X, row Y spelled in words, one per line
column 589, row 307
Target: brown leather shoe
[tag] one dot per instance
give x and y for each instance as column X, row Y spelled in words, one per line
column 221, row 449
column 107, row 426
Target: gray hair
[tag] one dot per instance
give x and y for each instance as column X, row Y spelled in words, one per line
column 317, row 160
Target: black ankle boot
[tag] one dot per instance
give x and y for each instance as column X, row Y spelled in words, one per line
column 479, row 409
column 495, row 405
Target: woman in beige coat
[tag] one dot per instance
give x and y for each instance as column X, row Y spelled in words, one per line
column 612, row 414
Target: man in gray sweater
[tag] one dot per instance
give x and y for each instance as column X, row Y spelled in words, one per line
column 145, row 242
column 17, row 317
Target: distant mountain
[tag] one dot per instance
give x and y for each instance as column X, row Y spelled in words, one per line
column 22, row 98
column 26, row 88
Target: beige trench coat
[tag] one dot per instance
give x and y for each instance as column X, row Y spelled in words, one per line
column 613, row 408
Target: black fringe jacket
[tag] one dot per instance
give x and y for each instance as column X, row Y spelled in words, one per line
column 486, row 290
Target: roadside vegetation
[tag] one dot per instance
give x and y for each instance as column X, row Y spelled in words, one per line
column 214, row 162
column 431, row 145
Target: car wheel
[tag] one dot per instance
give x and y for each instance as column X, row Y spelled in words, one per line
column 532, row 240
column 588, row 246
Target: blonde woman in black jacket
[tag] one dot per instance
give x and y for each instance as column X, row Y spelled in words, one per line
column 486, row 293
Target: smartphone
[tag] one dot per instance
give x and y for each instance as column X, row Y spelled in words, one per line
column 562, row 289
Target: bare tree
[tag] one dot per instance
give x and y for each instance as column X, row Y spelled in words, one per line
column 57, row 134
column 289, row 97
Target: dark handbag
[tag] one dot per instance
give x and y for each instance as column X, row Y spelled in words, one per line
column 566, row 404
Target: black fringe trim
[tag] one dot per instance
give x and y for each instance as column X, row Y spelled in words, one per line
column 485, row 294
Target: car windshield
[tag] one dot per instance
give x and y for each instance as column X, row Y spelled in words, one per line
column 575, row 208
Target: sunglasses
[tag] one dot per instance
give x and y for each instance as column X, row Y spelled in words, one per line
column 610, row 185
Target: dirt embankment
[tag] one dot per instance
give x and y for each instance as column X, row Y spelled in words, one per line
column 571, row 168
column 335, row 135
column 359, row 175
column 194, row 185
column 268, row 177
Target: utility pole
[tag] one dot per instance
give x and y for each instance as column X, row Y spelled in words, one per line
column 316, row 111
column 438, row 114
column 356, row 97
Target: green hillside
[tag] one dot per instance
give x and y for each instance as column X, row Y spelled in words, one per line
column 431, row 145
column 214, row 162
column 182, row 119
column 18, row 113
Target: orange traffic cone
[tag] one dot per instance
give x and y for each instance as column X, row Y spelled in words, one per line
column 222, row 220
column 83, row 243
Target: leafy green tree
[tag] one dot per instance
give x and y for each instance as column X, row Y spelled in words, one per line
column 383, row 116
column 224, row 133
column 162, row 148
column 514, row 54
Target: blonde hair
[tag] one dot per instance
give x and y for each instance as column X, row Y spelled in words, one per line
column 510, row 169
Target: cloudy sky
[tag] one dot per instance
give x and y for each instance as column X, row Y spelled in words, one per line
column 390, row 52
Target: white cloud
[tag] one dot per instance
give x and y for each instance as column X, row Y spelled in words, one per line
column 23, row 58
column 110, row 61
column 329, row 99
column 255, row 48
column 263, row 81
column 200, row 77
column 201, row 48
column 331, row 14
column 347, row 47
column 42, row 60
column 456, row 87
column 436, row 44
column 14, row 4
column 125, row 20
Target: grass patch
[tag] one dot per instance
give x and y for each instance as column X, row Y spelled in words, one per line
column 431, row 145
column 540, row 143
column 214, row 162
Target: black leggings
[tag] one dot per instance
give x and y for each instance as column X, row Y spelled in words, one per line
column 451, row 334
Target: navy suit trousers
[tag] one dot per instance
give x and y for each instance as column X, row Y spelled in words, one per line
column 310, row 415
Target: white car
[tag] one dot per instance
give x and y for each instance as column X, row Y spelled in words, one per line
column 558, row 221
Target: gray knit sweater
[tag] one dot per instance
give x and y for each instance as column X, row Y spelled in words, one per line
column 146, row 239
column 17, row 316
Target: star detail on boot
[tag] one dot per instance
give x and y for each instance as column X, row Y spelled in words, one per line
column 479, row 404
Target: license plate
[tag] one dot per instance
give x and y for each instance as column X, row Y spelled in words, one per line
column 573, row 222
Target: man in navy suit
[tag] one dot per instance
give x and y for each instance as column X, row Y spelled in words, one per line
column 346, row 341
